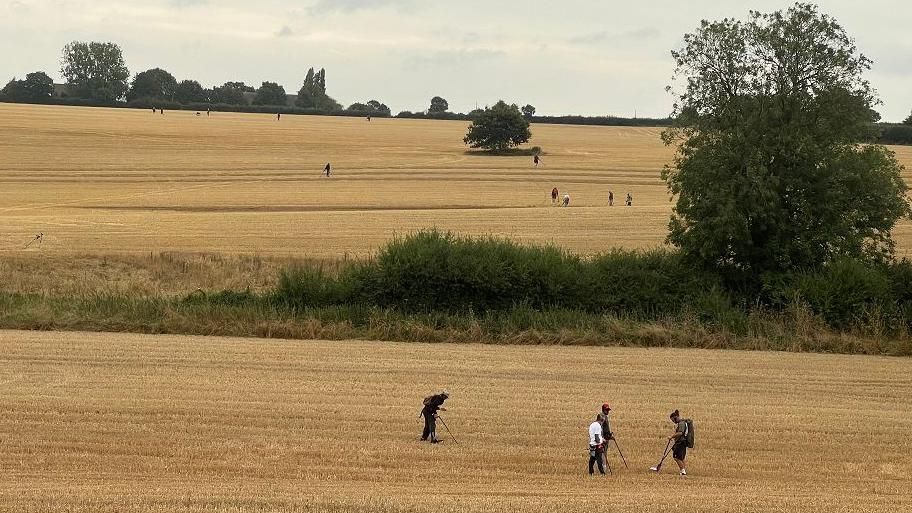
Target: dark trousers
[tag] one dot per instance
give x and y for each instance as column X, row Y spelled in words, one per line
column 430, row 427
column 595, row 456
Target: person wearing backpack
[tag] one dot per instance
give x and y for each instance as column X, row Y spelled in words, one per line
column 682, row 439
column 431, row 404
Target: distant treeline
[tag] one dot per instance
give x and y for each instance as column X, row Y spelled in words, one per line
column 890, row 133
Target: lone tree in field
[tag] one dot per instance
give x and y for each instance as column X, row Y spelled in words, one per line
column 155, row 83
column 498, row 128
column 438, row 105
column 95, row 71
column 769, row 175
column 529, row 110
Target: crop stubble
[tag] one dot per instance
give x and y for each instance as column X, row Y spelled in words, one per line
column 127, row 181
column 110, row 422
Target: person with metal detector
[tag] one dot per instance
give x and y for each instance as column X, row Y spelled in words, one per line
column 678, row 442
column 596, row 446
column 432, row 403
column 605, row 420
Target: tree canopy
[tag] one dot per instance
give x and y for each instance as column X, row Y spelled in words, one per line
column 312, row 94
column 438, row 105
column 498, row 128
column 908, row 120
column 190, row 91
column 95, row 71
column 768, row 174
column 35, row 88
column 270, row 93
column 155, row 83
column 230, row 93
column 528, row 111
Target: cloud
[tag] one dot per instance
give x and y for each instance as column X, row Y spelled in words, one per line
column 605, row 36
column 285, row 31
column 346, row 6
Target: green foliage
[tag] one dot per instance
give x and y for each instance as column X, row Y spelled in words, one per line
column 270, row 93
column 768, row 175
column 190, row 91
column 37, row 87
column 908, row 120
column 230, row 93
column 312, row 94
column 438, row 105
column 896, row 134
column 498, row 128
column 528, row 111
column 372, row 107
column 95, row 71
column 156, row 84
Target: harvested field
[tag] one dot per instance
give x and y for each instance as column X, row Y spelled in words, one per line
column 102, row 181
column 110, row 422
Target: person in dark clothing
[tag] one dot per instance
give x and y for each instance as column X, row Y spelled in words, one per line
column 327, row 170
column 679, row 438
column 429, row 412
column 604, row 419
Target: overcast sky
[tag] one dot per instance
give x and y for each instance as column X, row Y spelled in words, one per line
column 565, row 57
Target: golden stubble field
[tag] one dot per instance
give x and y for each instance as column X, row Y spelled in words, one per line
column 101, row 181
column 116, row 422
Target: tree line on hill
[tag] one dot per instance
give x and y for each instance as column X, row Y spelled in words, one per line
column 97, row 75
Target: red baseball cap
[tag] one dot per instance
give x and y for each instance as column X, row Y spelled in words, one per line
column 606, row 407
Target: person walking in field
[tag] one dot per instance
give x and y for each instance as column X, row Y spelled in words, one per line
column 680, row 438
column 596, row 447
column 431, row 404
column 566, row 200
column 327, row 170
column 554, row 195
column 536, row 160
column 278, row 116
column 629, row 199
column 610, row 198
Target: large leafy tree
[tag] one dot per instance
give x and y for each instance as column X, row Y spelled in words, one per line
column 312, row 94
column 438, row 105
column 155, row 83
column 270, row 93
column 498, row 128
column 769, row 175
column 36, row 87
column 230, row 93
column 529, row 110
column 95, row 71
column 190, row 91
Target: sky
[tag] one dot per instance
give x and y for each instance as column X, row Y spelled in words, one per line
column 591, row 57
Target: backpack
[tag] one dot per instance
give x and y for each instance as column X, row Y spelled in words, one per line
column 690, row 433
column 427, row 400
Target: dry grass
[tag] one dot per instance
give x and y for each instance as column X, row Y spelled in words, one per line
column 103, row 181
column 104, row 423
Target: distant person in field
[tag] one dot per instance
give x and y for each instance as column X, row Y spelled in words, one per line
column 566, row 200
column 536, row 160
column 207, row 112
column 368, row 118
column 162, row 111
column 629, row 199
column 430, row 405
column 278, row 116
column 197, row 113
column 610, row 198
column 327, row 170
column 154, row 110
column 554, row 195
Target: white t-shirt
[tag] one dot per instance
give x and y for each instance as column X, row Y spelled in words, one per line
column 595, row 433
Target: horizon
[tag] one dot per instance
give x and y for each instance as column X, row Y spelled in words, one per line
column 403, row 52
